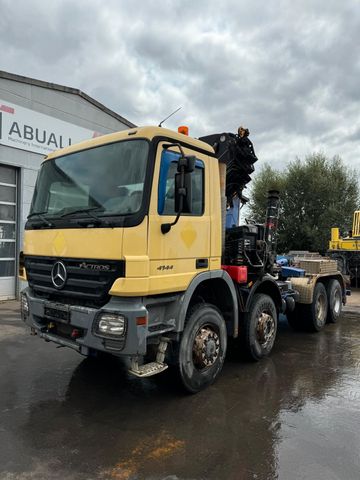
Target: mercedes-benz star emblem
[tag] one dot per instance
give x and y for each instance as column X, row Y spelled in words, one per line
column 58, row 275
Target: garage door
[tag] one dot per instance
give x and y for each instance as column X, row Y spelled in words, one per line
column 8, row 197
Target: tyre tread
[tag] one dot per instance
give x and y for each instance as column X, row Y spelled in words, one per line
column 248, row 340
column 187, row 383
column 332, row 285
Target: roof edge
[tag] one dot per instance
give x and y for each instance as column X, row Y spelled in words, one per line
column 63, row 88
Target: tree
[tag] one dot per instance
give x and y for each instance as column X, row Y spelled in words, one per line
column 316, row 194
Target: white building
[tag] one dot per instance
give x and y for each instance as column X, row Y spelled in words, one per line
column 37, row 117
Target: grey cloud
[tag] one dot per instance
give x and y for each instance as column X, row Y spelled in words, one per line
column 290, row 72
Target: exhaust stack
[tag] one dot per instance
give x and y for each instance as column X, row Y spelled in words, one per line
column 271, row 225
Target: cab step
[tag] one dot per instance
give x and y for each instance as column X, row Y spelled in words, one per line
column 151, row 368
column 148, row 369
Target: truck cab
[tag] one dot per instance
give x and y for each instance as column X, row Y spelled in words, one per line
column 101, row 274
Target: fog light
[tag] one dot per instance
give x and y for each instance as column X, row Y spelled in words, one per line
column 24, row 305
column 111, row 324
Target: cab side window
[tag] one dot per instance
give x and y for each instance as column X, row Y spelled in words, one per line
column 166, row 191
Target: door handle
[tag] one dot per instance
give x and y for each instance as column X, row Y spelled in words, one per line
column 202, row 263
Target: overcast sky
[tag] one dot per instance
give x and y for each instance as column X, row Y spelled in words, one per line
column 289, row 71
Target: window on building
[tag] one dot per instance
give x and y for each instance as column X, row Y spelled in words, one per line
column 7, row 221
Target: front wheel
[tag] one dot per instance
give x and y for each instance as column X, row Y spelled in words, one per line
column 202, row 347
column 260, row 327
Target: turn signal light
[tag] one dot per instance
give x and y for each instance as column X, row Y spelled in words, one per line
column 141, row 320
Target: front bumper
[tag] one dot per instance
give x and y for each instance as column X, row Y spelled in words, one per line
column 83, row 320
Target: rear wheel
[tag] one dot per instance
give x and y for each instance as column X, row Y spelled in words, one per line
column 260, row 327
column 315, row 313
column 334, row 295
column 202, row 347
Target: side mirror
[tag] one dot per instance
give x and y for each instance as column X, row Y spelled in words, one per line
column 183, row 191
column 187, row 162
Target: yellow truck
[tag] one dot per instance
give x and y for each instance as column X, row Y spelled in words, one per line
column 126, row 253
column 346, row 250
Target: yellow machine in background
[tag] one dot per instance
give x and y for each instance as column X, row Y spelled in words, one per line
column 356, row 225
column 346, row 250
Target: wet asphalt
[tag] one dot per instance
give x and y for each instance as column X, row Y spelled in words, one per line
column 295, row 415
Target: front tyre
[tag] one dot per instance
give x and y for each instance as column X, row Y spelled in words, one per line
column 260, row 327
column 202, row 347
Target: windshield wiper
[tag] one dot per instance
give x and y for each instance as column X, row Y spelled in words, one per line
column 41, row 216
column 89, row 212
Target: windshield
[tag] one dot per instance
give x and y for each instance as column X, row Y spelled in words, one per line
column 108, row 179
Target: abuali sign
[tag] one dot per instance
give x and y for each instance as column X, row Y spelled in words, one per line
column 35, row 132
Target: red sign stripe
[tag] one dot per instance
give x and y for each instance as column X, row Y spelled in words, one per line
column 5, row 108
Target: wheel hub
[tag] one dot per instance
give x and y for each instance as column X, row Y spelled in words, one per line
column 337, row 302
column 320, row 309
column 206, row 348
column 265, row 329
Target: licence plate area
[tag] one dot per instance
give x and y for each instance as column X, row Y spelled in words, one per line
column 58, row 312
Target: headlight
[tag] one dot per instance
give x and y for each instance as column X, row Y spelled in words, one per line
column 24, row 305
column 110, row 324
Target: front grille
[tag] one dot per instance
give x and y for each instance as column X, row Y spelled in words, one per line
column 88, row 281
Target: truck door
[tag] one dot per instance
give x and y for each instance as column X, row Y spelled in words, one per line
column 177, row 256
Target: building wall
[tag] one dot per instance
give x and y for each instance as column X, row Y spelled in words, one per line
column 65, row 106
column 62, row 105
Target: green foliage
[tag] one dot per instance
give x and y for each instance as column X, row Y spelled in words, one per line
column 316, row 194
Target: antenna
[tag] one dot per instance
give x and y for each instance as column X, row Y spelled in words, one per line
column 171, row 114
